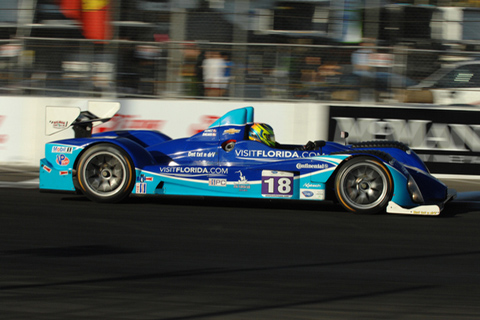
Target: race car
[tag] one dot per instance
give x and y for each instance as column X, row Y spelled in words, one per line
column 239, row 158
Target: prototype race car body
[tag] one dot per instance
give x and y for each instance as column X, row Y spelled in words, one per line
column 221, row 161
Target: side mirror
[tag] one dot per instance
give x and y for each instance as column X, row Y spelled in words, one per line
column 344, row 135
column 319, row 144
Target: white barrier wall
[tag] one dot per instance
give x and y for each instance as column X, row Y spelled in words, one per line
column 447, row 138
column 22, row 128
column 22, row 121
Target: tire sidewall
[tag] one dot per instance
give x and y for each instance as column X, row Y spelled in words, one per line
column 340, row 192
column 126, row 186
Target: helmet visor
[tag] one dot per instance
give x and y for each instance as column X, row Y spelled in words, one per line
column 269, row 138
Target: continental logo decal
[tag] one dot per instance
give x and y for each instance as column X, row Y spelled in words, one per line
column 312, row 166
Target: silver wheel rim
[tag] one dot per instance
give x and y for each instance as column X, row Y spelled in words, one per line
column 104, row 173
column 364, row 186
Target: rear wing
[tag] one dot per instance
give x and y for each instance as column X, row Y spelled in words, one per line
column 60, row 118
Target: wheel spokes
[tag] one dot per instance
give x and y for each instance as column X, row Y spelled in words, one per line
column 104, row 173
column 364, row 185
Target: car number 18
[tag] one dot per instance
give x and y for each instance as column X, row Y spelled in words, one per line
column 277, row 183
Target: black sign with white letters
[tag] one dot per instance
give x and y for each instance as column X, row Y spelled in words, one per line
column 447, row 140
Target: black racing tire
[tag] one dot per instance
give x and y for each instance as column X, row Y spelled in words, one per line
column 105, row 173
column 364, row 185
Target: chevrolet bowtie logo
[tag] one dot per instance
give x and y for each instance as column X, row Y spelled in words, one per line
column 231, row 131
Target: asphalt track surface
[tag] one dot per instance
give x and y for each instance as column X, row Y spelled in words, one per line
column 64, row 257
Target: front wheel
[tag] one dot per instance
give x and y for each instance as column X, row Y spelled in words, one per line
column 364, row 185
column 105, row 173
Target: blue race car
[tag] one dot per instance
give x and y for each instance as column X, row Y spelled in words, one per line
column 236, row 157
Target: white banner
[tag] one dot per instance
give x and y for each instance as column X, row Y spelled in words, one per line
column 23, row 121
column 292, row 122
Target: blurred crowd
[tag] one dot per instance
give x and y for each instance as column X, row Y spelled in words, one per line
column 288, row 72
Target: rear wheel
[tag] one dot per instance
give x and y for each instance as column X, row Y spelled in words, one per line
column 105, row 173
column 364, row 185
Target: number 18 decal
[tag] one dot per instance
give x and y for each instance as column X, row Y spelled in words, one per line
column 277, row 184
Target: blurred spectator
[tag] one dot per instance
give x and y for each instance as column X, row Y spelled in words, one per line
column 228, row 70
column 309, row 69
column 214, row 74
column 320, row 79
column 329, row 71
column 361, row 58
column 363, row 69
column 200, row 90
column 127, row 65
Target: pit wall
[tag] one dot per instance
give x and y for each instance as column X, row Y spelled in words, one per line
column 446, row 138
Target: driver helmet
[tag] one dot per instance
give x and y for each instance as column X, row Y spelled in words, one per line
column 262, row 132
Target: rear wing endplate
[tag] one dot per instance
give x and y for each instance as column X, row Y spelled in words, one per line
column 61, row 118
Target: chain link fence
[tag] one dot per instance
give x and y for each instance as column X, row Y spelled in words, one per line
column 162, row 51
column 116, row 68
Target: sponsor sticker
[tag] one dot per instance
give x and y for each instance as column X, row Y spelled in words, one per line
column 231, row 131
column 312, row 166
column 201, row 154
column 307, row 193
column 312, row 185
column 62, row 149
column 209, row 133
column 141, row 188
column 217, row 182
column 59, row 124
column 242, row 184
column 425, row 212
column 276, row 154
column 62, row 160
column 195, row 170
column 312, row 194
column 144, row 178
